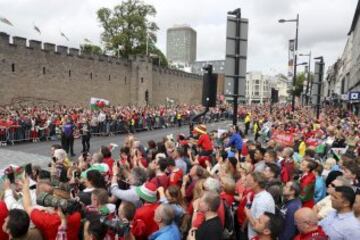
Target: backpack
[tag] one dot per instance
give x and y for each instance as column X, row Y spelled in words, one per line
column 229, row 225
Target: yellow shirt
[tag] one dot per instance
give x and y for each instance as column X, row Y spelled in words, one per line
column 302, row 148
column 256, row 127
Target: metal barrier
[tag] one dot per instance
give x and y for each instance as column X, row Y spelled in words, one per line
column 25, row 133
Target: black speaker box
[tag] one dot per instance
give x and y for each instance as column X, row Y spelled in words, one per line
column 209, row 90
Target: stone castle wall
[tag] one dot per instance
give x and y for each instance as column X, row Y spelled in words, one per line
column 32, row 69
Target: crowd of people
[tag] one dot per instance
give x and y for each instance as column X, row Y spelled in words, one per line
column 24, row 124
column 282, row 175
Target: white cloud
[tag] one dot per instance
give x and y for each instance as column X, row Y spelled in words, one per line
column 323, row 25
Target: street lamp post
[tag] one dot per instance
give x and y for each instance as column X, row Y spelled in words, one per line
column 320, row 77
column 295, row 58
column 307, row 93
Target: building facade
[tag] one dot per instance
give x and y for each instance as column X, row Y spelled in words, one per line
column 55, row 74
column 354, row 34
column 281, row 83
column 181, row 46
column 258, row 88
column 343, row 76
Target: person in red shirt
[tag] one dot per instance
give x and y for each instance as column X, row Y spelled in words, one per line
column 161, row 179
column 48, row 222
column 176, row 174
column 307, row 183
column 143, row 223
column 204, row 142
column 3, row 215
column 287, row 165
column 228, row 190
column 307, row 224
column 105, row 151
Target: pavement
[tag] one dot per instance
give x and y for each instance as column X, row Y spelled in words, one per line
column 39, row 153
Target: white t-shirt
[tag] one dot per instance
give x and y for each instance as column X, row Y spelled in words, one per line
column 263, row 202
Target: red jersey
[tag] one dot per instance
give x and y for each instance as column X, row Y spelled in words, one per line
column 3, row 214
column 176, row 177
column 205, row 142
column 110, row 162
column 307, row 186
column 287, row 170
column 48, row 224
column 229, row 198
column 143, row 223
column 318, row 234
column 161, row 181
column 241, row 217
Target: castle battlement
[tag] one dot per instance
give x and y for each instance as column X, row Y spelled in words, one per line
column 47, row 47
column 36, row 45
column 58, row 49
column 19, row 41
column 64, row 74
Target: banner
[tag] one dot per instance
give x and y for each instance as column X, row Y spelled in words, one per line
column 98, row 103
column 283, row 138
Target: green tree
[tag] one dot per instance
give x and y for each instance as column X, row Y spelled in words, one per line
column 91, row 49
column 299, row 83
column 157, row 53
column 127, row 28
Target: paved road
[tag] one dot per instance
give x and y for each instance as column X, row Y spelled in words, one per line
column 38, row 153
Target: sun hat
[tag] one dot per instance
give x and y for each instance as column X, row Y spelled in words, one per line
column 147, row 192
column 200, row 129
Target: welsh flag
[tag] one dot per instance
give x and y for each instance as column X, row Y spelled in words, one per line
column 98, row 103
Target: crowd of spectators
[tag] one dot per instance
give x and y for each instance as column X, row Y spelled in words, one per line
column 24, row 124
column 281, row 175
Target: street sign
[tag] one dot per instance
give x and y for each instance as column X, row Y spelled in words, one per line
column 315, row 84
column 353, row 96
column 231, row 57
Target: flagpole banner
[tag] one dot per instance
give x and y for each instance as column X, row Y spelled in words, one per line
column 6, row 21
column 63, row 35
column 36, row 28
column 98, row 103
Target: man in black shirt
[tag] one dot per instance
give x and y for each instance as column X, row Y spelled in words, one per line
column 211, row 228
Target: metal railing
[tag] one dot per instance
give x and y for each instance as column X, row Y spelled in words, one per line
column 25, row 133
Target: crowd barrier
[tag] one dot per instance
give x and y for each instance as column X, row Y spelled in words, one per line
column 24, row 133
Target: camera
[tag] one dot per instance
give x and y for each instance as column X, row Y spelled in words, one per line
column 76, row 174
column 117, row 226
column 67, row 206
column 10, row 174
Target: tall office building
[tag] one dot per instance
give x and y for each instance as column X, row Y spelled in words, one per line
column 181, row 45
